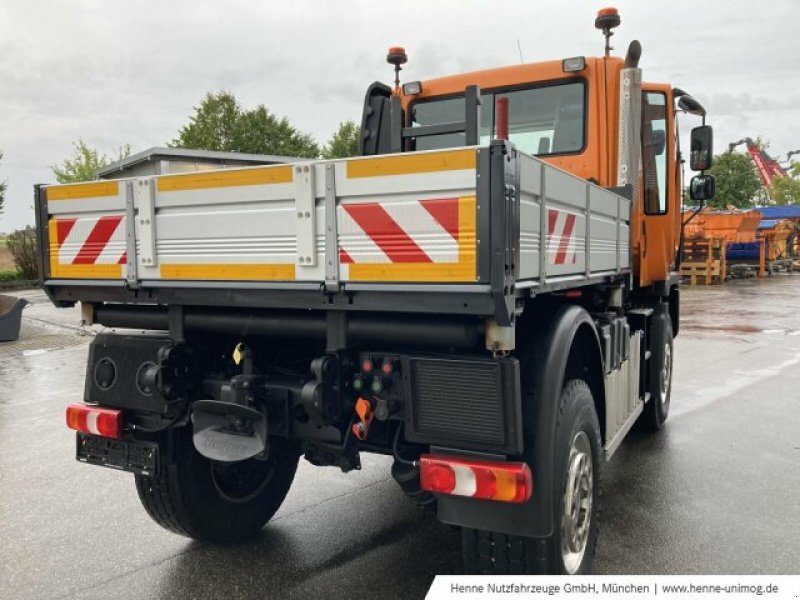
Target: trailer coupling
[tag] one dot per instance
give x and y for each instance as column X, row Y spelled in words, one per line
column 232, row 428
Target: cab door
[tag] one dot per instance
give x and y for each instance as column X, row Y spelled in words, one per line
column 659, row 193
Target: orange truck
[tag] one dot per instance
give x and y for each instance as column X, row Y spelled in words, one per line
column 486, row 295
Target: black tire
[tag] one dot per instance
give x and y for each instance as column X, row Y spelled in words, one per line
column 656, row 411
column 487, row 552
column 215, row 502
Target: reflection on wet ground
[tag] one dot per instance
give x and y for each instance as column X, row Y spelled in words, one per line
column 713, row 493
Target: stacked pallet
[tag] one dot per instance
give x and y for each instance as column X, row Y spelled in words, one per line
column 704, row 261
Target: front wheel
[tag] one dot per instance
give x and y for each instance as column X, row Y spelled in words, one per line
column 656, row 410
column 578, row 461
column 571, row 549
column 217, row 502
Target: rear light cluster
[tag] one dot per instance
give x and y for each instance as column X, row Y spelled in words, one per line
column 104, row 422
column 501, row 481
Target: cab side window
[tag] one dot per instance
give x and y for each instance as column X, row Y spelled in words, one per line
column 654, row 152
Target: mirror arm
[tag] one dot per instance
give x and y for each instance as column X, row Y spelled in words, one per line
column 683, row 232
column 700, row 207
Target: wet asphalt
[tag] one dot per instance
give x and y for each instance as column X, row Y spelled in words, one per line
column 716, row 492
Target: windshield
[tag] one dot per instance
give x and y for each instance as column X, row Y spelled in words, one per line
column 543, row 120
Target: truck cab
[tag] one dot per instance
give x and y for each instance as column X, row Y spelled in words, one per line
column 567, row 113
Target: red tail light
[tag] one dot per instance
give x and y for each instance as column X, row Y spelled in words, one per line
column 104, row 422
column 500, row 481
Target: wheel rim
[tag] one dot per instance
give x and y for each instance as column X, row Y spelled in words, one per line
column 666, row 373
column 240, row 482
column 577, row 503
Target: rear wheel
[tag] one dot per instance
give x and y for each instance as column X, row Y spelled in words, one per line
column 217, row 502
column 571, row 549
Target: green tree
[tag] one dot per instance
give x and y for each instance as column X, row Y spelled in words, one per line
column 737, row 181
column 83, row 163
column 785, row 190
column 344, row 141
column 220, row 123
column 212, row 125
column 3, row 185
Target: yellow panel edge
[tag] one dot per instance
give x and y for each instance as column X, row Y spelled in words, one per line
column 218, row 179
column 449, row 160
column 104, row 271
column 229, row 272
column 82, row 191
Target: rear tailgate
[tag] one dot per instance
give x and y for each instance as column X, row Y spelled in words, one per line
column 400, row 218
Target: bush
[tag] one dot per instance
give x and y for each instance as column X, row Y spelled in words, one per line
column 22, row 245
column 7, row 275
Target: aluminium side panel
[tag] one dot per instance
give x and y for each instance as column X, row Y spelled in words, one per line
column 408, row 218
column 251, row 224
column 569, row 227
column 234, row 225
column 610, row 215
column 531, row 175
column 565, row 203
column 86, row 225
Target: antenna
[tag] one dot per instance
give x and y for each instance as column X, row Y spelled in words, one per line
column 522, row 60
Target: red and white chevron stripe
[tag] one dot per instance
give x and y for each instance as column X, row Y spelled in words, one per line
column 414, row 231
column 91, row 240
column 561, row 246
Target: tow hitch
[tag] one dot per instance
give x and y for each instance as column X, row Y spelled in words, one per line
column 232, row 429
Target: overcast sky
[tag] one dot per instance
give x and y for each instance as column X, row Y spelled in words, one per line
column 116, row 72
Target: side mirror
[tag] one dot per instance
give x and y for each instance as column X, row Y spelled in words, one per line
column 702, row 187
column 701, row 148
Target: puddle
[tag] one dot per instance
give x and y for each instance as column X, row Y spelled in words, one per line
column 737, row 329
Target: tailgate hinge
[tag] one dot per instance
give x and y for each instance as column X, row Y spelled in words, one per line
column 305, row 214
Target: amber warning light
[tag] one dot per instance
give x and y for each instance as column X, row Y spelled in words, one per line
column 607, row 19
column 397, row 56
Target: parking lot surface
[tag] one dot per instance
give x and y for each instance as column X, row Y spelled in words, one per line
column 716, row 492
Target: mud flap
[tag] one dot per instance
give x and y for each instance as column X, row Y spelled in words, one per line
column 228, row 432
